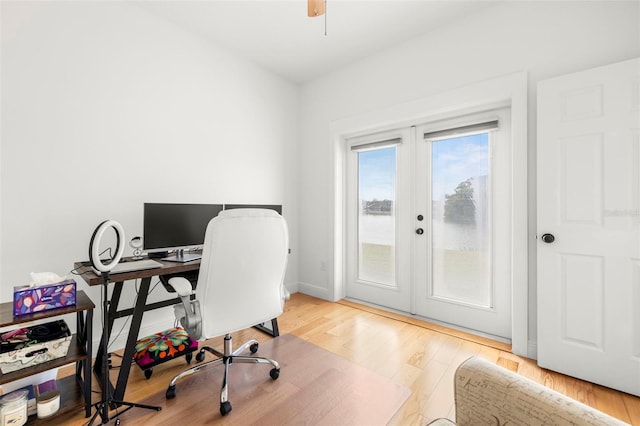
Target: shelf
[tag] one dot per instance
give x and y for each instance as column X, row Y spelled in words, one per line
column 75, row 390
column 75, row 353
column 71, row 401
column 83, row 303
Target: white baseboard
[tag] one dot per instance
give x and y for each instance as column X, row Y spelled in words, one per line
column 532, row 349
column 315, row 291
column 292, row 287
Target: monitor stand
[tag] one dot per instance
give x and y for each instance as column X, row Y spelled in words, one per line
column 181, row 256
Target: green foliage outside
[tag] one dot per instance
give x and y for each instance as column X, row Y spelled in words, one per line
column 459, row 207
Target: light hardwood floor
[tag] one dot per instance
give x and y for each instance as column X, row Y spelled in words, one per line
column 421, row 356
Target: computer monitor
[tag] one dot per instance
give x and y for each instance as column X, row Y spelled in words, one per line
column 176, row 227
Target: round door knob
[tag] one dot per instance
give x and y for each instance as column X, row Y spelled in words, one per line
column 420, row 217
column 419, row 231
column 548, row 238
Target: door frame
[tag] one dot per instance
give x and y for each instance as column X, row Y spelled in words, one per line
column 510, row 90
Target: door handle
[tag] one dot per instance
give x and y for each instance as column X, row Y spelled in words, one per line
column 548, row 238
column 419, row 231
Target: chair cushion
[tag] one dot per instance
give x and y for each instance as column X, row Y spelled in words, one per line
column 163, row 346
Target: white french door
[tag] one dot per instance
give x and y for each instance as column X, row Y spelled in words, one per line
column 463, row 210
column 379, row 207
column 428, row 221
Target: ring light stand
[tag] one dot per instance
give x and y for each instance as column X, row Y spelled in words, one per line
column 102, row 407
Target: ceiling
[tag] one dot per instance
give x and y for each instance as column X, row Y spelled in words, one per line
column 278, row 35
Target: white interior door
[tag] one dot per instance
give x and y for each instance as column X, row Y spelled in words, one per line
column 463, row 222
column 589, row 225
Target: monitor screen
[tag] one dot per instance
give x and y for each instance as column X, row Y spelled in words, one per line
column 176, row 226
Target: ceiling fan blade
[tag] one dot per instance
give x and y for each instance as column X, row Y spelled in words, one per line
column 315, row 8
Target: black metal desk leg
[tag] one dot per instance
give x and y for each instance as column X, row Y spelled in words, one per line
column 273, row 331
column 86, row 383
column 113, row 309
column 132, row 337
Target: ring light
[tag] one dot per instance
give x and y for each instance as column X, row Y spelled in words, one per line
column 94, row 246
column 102, row 407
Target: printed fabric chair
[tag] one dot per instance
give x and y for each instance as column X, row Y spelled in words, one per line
column 240, row 284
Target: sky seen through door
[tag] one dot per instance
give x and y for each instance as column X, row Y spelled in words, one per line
column 377, row 167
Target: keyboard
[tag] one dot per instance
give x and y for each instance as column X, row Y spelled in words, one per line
column 135, row 265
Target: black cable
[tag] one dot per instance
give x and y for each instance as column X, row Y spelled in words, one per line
column 123, row 325
column 137, row 281
column 108, row 249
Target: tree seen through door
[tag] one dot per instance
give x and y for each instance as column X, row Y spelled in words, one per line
column 460, row 243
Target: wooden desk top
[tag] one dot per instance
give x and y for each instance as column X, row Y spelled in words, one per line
column 91, row 278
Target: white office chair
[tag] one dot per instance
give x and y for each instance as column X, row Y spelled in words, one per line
column 240, row 284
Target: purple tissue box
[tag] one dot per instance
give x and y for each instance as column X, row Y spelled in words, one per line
column 29, row 300
column 49, row 385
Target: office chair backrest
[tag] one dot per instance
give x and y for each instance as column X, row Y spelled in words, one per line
column 244, row 260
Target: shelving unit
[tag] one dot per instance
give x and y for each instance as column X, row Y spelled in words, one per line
column 75, row 390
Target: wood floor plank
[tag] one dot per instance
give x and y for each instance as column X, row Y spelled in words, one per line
column 611, row 402
column 509, row 364
column 528, row 368
column 423, row 388
column 580, row 391
column 410, row 413
column 426, row 324
column 632, row 403
column 440, row 402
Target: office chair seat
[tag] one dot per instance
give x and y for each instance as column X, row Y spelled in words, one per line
column 240, row 284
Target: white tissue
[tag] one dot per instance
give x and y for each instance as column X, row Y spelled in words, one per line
column 44, row 278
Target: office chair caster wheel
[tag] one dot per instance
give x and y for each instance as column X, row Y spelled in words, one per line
column 171, row 392
column 200, row 356
column 253, row 348
column 225, row 408
column 274, row 373
column 147, row 373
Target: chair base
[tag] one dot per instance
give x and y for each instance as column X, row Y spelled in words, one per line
column 227, row 357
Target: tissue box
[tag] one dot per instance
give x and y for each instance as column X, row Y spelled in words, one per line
column 29, row 300
column 28, row 346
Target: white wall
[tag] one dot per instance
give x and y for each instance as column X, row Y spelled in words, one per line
column 105, row 107
column 544, row 39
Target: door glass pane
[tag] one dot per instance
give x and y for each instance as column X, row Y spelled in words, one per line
column 460, row 220
column 376, row 216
